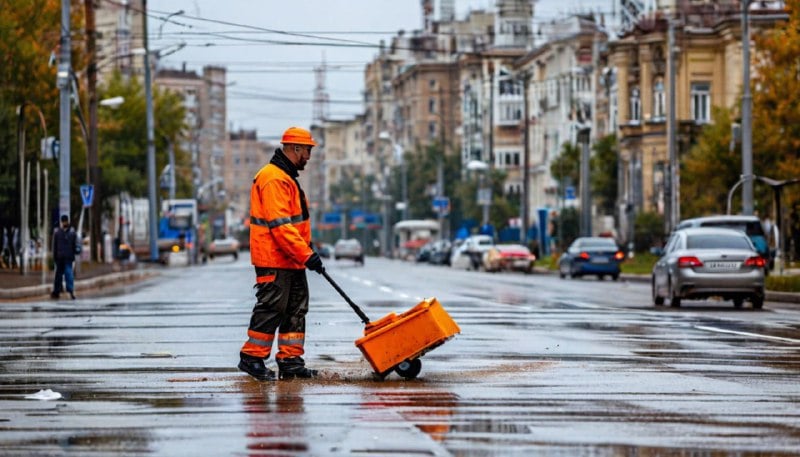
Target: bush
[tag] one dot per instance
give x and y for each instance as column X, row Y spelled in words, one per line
column 783, row 283
column 648, row 231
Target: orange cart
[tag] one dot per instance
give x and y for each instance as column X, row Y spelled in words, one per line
column 397, row 341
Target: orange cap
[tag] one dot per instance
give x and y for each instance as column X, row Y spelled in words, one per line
column 297, row 135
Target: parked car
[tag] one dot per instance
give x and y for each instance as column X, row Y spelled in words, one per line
column 224, row 246
column 591, row 256
column 705, row 262
column 440, row 252
column 509, row 257
column 424, row 253
column 469, row 254
column 750, row 225
column 323, row 249
column 349, row 249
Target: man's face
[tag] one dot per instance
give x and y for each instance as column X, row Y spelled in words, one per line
column 64, row 224
column 301, row 154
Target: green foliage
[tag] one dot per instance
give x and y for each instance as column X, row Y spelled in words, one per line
column 648, row 231
column 566, row 167
column 122, row 138
column 604, row 173
column 567, row 227
column 641, row 263
column 783, row 283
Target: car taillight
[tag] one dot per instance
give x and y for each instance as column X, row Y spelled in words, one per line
column 584, row 255
column 689, row 262
column 755, row 261
column 619, row 255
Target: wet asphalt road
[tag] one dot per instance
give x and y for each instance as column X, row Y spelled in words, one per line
column 543, row 367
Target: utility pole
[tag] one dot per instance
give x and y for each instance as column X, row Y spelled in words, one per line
column 672, row 152
column 62, row 81
column 94, row 169
column 151, row 144
column 747, row 115
column 586, row 194
column 526, row 79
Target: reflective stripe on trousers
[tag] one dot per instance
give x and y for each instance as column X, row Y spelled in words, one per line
column 281, row 308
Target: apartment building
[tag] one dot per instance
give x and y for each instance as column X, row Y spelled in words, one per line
column 244, row 156
column 119, row 38
column 708, row 65
column 562, row 99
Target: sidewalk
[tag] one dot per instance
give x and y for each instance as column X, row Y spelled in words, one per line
column 16, row 286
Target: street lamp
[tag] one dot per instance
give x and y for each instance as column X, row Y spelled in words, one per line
column 484, row 197
column 747, row 115
column 398, row 153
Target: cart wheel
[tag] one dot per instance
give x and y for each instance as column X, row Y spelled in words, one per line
column 409, row 369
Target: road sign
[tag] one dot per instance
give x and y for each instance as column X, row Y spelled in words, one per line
column 569, row 193
column 441, row 205
column 87, row 194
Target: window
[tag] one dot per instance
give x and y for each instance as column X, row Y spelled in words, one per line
column 432, row 84
column 432, row 105
column 432, row 130
column 659, row 109
column 701, row 102
column 635, row 106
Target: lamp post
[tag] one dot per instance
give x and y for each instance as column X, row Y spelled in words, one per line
column 484, row 197
column 747, row 115
column 398, row 153
column 151, row 144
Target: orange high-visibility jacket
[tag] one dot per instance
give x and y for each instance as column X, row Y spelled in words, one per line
column 280, row 229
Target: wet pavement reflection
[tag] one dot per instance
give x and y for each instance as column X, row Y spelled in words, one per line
column 542, row 367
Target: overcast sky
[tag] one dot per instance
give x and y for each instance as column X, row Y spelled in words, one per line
column 271, row 81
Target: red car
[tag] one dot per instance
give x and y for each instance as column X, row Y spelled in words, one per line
column 509, row 257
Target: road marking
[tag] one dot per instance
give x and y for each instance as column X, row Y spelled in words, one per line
column 388, row 290
column 755, row 335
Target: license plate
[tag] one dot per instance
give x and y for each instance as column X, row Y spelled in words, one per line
column 722, row 265
column 600, row 259
column 520, row 263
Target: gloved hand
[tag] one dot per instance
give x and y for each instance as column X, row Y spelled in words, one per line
column 314, row 263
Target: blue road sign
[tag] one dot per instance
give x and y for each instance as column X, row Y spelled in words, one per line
column 87, row 194
column 441, row 205
column 570, row 193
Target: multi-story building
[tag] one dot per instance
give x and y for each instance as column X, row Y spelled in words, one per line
column 189, row 85
column 244, row 156
column 213, row 134
column 708, row 65
column 562, row 97
column 119, row 38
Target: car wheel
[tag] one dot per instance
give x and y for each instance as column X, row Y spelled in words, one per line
column 601, row 277
column 738, row 302
column 758, row 301
column 615, row 276
column 235, row 256
column 674, row 299
column 561, row 272
column 658, row 300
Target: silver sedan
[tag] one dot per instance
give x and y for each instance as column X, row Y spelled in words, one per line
column 709, row 262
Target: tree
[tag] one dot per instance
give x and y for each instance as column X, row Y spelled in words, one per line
column 122, row 134
column 710, row 168
column 604, row 173
column 29, row 33
column 566, row 168
column 776, row 107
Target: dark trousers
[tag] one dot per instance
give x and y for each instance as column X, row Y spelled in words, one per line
column 282, row 305
column 63, row 271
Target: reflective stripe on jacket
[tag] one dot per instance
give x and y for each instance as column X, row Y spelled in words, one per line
column 280, row 229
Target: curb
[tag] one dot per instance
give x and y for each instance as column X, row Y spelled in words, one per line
column 98, row 282
column 784, row 297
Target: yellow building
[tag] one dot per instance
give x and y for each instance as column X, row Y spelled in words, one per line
column 708, row 69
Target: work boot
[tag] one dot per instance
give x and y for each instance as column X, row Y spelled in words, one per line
column 72, row 295
column 255, row 367
column 54, row 295
column 295, row 367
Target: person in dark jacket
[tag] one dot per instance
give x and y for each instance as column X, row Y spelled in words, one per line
column 64, row 247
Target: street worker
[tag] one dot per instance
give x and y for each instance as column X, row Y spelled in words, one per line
column 280, row 250
column 65, row 246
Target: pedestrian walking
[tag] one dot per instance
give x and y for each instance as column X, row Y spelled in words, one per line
column 280, row 251
column 65, row 246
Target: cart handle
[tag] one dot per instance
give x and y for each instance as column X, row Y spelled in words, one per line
column 350, row 302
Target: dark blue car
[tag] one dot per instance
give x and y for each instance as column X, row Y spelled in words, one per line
column 591, row 256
